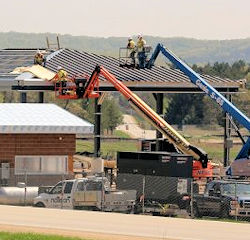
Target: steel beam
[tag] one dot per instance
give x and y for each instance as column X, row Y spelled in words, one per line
column 156, row 89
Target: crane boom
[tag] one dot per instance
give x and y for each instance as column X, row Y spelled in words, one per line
column 147, row 112
column 195, row 78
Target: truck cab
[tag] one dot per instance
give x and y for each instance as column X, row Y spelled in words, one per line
column 223, row 198
column 59, row 196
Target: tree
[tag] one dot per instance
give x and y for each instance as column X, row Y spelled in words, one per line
column 111, row 114
column 197, row 109
column 185, row 109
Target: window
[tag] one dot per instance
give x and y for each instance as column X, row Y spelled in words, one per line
column 209, row 187
column 41, row 165
column 68, row 187
column 93, row 186
column 80, row 186
column 57, row 189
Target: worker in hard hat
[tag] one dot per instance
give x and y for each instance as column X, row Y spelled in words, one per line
column 39, row 58
column 141, row 51
column 132, row 49
column 61, row 79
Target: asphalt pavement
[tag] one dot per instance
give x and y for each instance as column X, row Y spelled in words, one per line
column 123, row 224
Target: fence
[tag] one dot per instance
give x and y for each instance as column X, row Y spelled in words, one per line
column 185, row 197
column 11, row 177
column 156, row 195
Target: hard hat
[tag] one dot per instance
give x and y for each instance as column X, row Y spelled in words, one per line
column 139, row 36
column 38, row 51
column 130, row 38
column 59, row 68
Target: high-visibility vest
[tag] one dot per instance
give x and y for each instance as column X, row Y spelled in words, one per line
column 131, row 44
column 62, row 74
column 140, row 45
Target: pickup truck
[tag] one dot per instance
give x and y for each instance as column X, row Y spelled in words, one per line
column 90, row 193
column 223, row 198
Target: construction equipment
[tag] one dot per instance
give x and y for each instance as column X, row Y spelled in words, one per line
column 89, row 89
column 125, row 59
column 241, row 166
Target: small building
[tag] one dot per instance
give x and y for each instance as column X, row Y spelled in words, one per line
column 38, row 139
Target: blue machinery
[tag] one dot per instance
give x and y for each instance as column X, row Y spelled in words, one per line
column 226, row 105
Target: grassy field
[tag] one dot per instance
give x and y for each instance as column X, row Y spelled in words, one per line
column 33, row 236
column 121, row 134
column 107, row 148
column 210, row 140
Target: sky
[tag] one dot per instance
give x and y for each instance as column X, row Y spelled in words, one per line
column 200, row 19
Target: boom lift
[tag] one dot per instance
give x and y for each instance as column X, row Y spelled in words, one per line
column 227, row 106
column 89, row 89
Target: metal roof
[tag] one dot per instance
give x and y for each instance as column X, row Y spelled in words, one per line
column 157, row 79
column 40, row 118
column 11, row 58
column 79, row 62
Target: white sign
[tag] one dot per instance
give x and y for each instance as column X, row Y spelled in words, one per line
column 5, row 167
column 182, row 186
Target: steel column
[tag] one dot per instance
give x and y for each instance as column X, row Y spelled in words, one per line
column 41, row 97
column 159, row 110
column 23, row 97
column 97, row 129
column 227, row 135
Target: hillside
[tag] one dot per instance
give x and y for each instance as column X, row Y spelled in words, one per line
column 191, row 50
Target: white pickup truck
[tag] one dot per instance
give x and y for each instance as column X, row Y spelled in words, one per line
column 90, row 193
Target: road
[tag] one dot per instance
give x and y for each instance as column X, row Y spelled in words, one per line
column 122, row 224
column 131, row 127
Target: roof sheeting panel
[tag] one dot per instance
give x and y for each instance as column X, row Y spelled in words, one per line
column 78, row 62
column 13, row 58
column 40, row 118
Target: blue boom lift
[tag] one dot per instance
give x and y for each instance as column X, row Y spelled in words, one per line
column 233, row 113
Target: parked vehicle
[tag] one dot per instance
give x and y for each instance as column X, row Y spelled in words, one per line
column 223, row 198
column 90, row 193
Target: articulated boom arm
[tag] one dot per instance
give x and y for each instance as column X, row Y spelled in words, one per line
column 195, row 78
column 149, row 114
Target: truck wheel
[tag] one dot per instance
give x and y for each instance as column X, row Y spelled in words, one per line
column 224, row 213
column 131, row 211
column 39, row 204
column 196, row 212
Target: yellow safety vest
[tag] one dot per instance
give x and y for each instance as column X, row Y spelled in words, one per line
column 62, row 74
column 131, row 44
column 140, row 45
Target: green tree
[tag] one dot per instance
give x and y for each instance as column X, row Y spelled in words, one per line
column 111, row 114
column 185, row 109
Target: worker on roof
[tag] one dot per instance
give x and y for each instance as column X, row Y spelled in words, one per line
column 39, row 58
column 141, row 51
column 132, row 49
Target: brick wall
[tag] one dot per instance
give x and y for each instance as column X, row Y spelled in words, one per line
column 36, row 144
